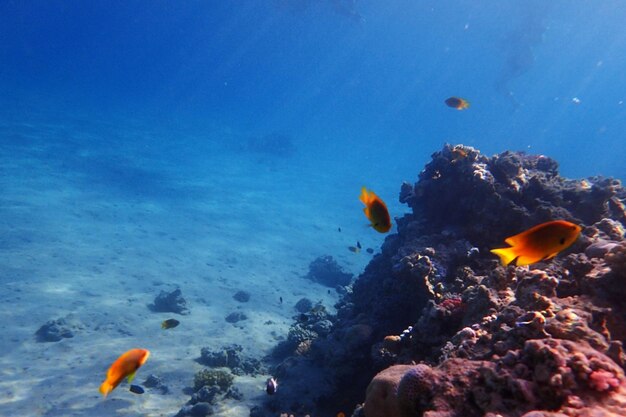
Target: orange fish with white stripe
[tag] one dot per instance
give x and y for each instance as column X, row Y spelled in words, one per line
column 376, row 211
column 124, row 366
column 543, row 241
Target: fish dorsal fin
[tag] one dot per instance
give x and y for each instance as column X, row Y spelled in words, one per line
column 365, row 196
column 131, row 377
column 516, row 240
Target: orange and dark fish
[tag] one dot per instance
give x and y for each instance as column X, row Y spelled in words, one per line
column 376, row 211
column 169, row 324
column 540, row 242
column 458, row 153
column 355, row 249
column 457, row 103
column 124, row 367
column 271, row 386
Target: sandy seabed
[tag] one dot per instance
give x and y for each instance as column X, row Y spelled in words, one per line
column 97, row 219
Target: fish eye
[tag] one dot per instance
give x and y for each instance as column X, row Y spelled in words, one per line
column 562, row 241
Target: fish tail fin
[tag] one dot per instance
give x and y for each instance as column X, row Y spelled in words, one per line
column 507, row 255
column 364, row 197
column 105, row 388
column 163, row 325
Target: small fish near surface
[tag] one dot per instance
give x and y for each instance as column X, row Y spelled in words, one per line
column 376, row 211
column 124, row 367
column 136, row 389
column 457, row 103
column 540, row 242
column 169, row 324
column 271, row 386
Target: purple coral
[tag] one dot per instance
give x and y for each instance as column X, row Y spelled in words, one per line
column 414, row 390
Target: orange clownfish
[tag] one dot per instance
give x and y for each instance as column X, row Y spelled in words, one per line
column 124, row 366
column 543, row 241
column 376, row 211
column 457, row 103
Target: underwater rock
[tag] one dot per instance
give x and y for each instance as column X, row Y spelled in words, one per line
column 55, row 330
column 326, row 271
column 242, row 296
column 231, row 357
column 206, row 394
column 304, row 305
column 196, row 410
column 235, row 317
column 172, row 302
column 155, row 382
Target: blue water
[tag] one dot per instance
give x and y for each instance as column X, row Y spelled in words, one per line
column 369, row 84
column 141, row 114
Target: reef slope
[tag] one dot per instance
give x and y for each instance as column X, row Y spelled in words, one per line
column 435, row 326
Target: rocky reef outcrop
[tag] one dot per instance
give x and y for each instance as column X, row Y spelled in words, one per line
column 170, row 302
column 435, row 326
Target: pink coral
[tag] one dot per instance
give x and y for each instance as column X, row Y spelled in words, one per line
column 603, row 380
column 453, row 305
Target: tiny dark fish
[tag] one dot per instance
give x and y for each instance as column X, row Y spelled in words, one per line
column 281, row 299
column 328, row 291
column 358, row 244
column 271, row 386
column 339, row 229
column 354, row 249
column 136, row 389
column 369, row 250
column 457, row 103
column 169, row 324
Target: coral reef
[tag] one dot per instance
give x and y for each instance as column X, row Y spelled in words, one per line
column 170, row 302
column 212, row 377
column 235, row 317
column 435, row 326
column 242, row 296
column 56, row 330
column 156, row 383
column 231, row 357
column 326, row 271
column 210, row 387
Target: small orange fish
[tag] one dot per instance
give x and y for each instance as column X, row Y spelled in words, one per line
column 543, row 241
column 376, row 211
column 458, row 153
column 341, row 414
column 457, row 103
column 124, row 366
